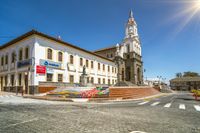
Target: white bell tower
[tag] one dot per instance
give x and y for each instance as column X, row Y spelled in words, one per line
column 131, row 26
column 131, row 40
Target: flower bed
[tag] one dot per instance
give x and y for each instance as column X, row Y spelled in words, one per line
column 80, row 93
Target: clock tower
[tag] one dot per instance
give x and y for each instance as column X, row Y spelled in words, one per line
column 129, row 53
column 131, row 27
column 132, row 55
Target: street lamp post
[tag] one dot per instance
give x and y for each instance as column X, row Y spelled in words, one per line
column 159, row 78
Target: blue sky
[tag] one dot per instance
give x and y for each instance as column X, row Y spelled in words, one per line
column 168, row 46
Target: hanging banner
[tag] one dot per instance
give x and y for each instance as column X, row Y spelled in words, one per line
column 40, row 69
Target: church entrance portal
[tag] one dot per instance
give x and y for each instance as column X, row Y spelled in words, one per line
column 138, row 76
column 128, row 75
column 122, row 74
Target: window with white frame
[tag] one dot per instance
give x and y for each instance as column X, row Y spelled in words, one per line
column 71, row 59
column 49, row 54
column 60, row 56
column 20, row 54
column 71, row 79
column 60, row 77
column 26, row 52
column 13, row 56
column 49, row 77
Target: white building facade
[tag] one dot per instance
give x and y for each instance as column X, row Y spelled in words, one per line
column 36, row 59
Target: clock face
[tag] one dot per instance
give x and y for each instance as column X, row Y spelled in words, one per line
column 130, row 29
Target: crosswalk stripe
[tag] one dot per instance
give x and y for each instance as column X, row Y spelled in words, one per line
column 154, row 104
column 197, row 107
column 167, row 105
column 7, row 96
column 182, row 106
column 143, row 103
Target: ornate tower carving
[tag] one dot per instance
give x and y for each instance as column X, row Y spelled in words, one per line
column 131, row 48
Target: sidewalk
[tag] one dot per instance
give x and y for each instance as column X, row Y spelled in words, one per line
column 3, row 93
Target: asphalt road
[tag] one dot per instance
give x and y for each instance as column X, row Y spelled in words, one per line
column 177, row 113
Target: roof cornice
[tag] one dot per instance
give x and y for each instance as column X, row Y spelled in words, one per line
column 34, row 32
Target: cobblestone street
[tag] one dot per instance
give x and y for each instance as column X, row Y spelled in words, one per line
column 111, row 117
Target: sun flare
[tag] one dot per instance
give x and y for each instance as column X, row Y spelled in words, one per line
column 197, row 4
column 189, row 12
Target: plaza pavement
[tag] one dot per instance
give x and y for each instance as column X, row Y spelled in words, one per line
column 177, row 113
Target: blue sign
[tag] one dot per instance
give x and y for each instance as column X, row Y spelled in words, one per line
column 50, row 64
column 24, row 63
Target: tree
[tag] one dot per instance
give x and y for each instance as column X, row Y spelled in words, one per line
column 179, row 75
column 190, row 74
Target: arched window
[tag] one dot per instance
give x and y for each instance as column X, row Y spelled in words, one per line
column 92, row 80
column 104, row 82
column 99, row 67
column 111, row 55
column 108, row 81
column 87, row 63
column 81, row 61
column 128, row 48
column 49, row 53
column 6, row 59
column 107, row 55
column 20, row 54
column 99, row 80
column 2, row 61
column 13, row 57
column 92, row 65
column 71, row 61
column 60, row 56
column 26, row 52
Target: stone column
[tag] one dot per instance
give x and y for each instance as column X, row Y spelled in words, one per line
column 142, row 72
column 134, row 71
column 16, row 83
column 0, row 84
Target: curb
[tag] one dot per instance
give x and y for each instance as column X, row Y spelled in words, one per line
column 49, row 99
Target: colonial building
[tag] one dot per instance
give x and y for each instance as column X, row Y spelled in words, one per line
column 185, row 83
column 131, row 68
column 36, row 59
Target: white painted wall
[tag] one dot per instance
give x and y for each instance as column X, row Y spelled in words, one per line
column 38, row 50
column 42, row 44
column 9, row 69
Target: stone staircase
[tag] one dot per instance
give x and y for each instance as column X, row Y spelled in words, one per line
column 132, row 92
column 125, row 83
